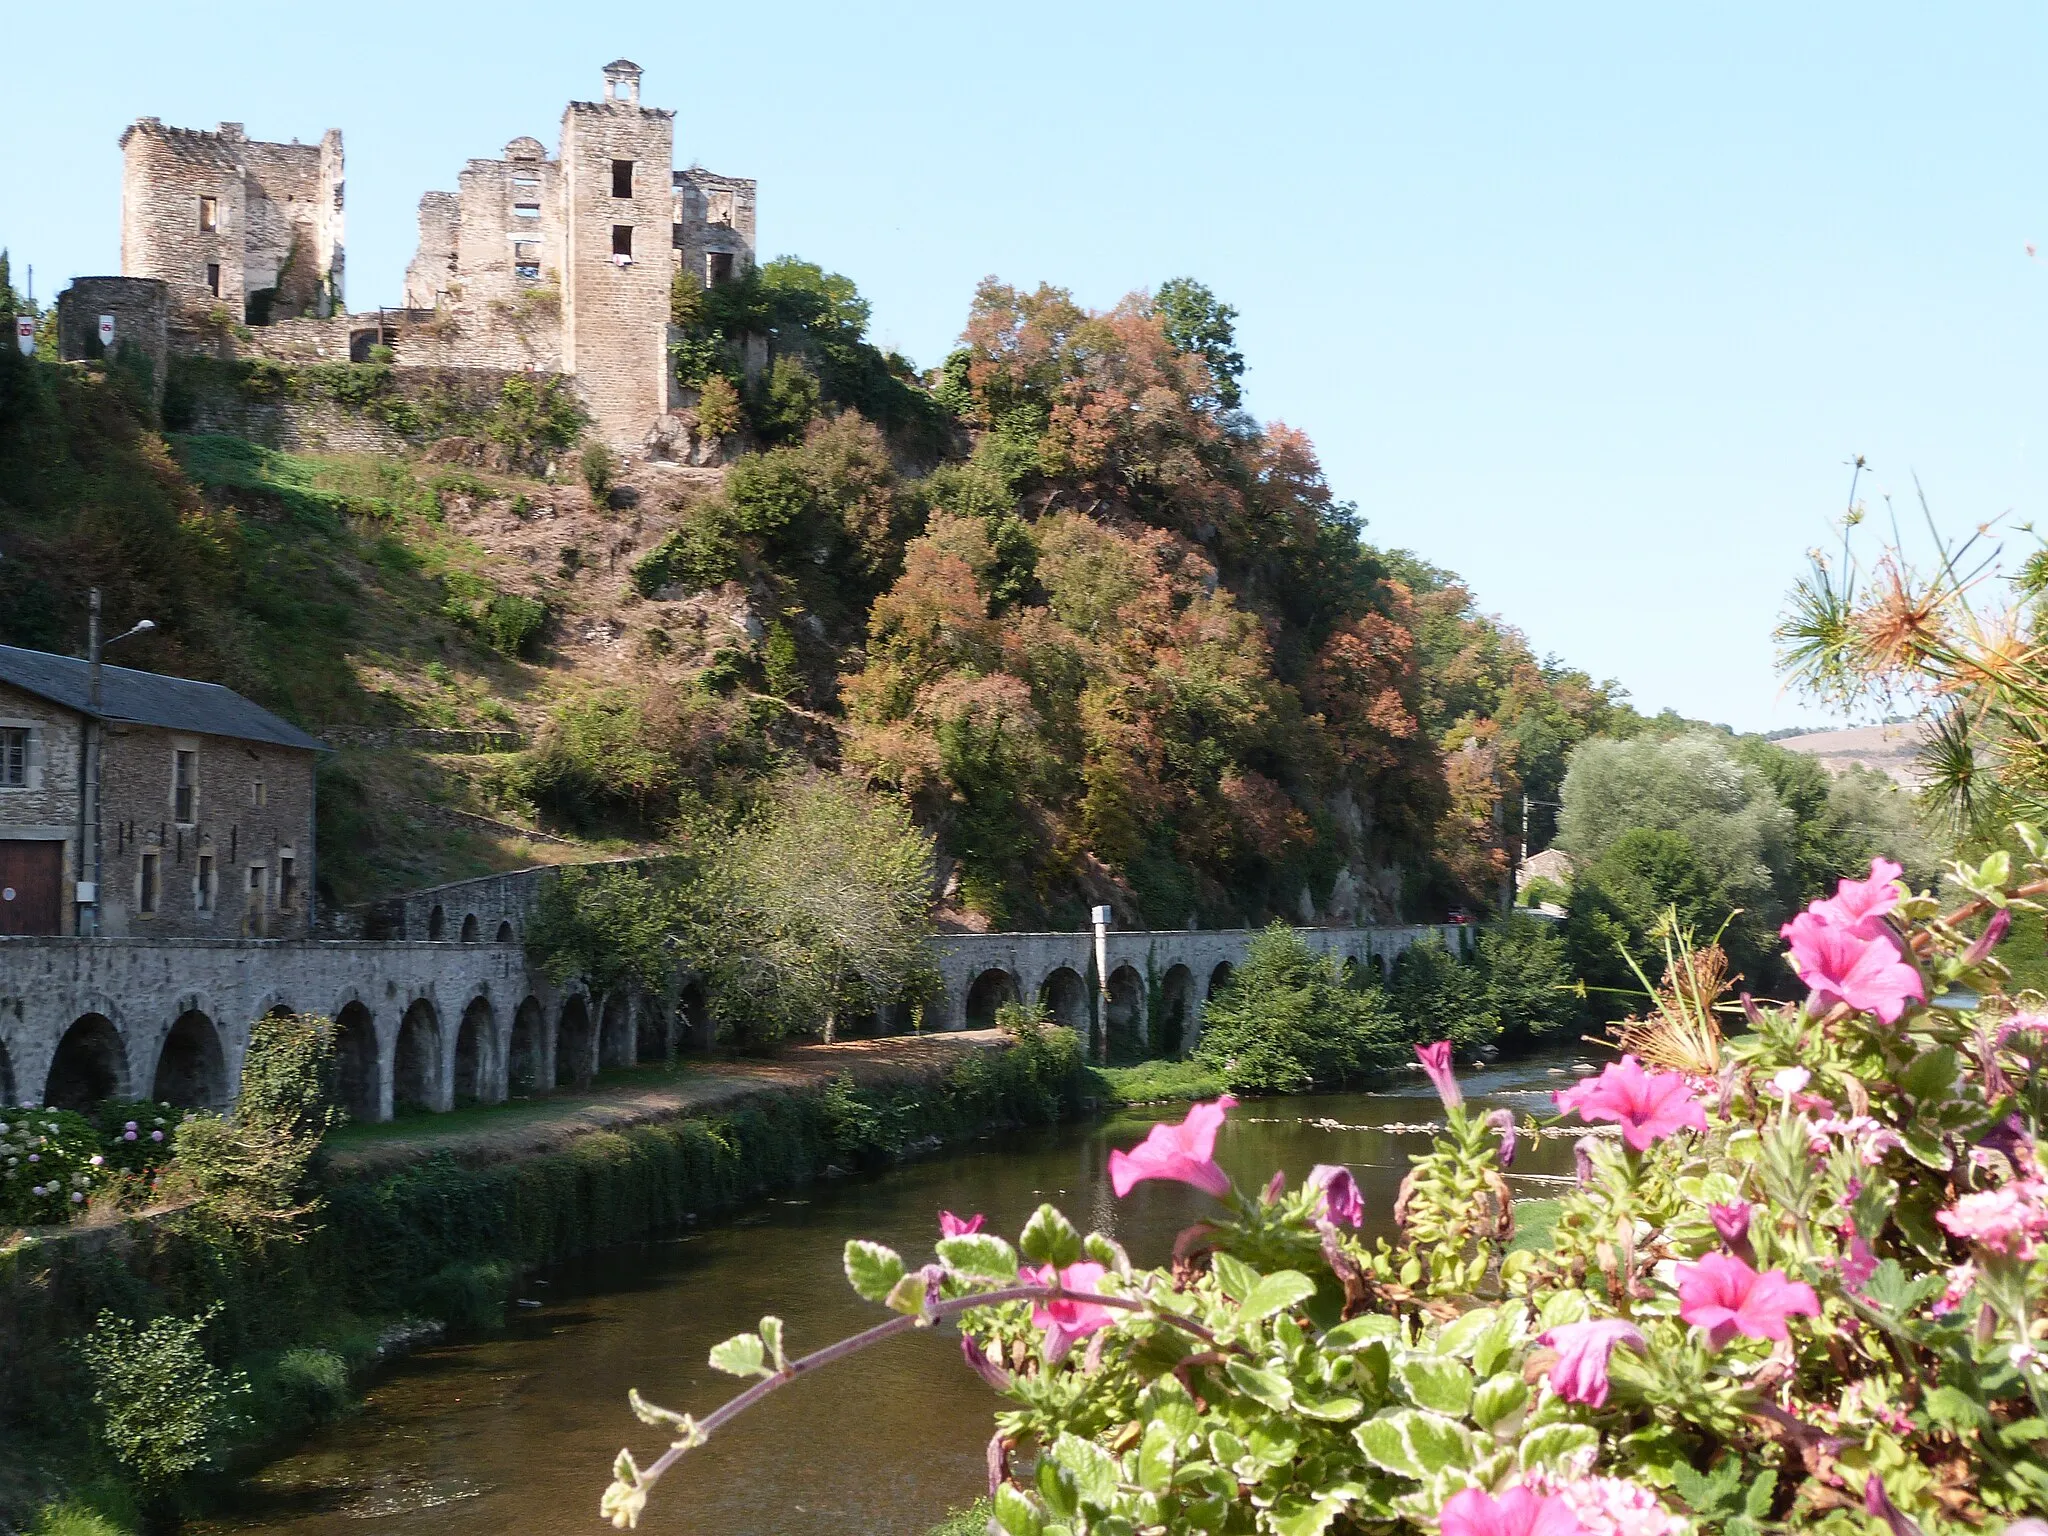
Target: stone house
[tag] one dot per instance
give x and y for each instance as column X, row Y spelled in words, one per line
column 206, row 806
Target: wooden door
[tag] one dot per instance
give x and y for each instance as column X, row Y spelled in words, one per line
column 31, row 886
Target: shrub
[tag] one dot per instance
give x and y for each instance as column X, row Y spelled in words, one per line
column 1287, row 1022
column 1441, row 997
column 1528, row 979
column 718, row 407
column 164, row 1406
column 315, row 1381
column 467, row 1296
column 599, row 470
column 51, row 1160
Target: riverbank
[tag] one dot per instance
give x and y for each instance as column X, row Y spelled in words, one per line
column 431, row 1225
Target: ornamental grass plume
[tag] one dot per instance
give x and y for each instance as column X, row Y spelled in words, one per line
column 1184, row 1153
column 1725, row 1296
column 1648, row 1106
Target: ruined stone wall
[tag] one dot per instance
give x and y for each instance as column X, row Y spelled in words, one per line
column 239, row 866
column 140, row 307
column 615, row 312
column 489, row 265
column 713, row 216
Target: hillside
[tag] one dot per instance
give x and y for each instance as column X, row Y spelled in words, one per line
column 1112, row 639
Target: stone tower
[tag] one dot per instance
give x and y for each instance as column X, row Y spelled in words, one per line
column 226, row 221
column 617, row 256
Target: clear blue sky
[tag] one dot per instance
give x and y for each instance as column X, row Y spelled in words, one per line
column 1587, row 303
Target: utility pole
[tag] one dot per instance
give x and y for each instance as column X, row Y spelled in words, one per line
column 1102, row 917
column 1521, row 847
column 88, row 891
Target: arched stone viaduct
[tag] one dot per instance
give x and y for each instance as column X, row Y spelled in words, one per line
column 1158, row 980
column 428, row 1025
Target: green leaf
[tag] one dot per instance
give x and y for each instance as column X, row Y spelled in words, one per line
column 1293, row 1515
column 907, row 1295
column 1275, row 1293
column 1093, row 1469
column 982, row 1254
column 1049, row 1238
column 1436, row 1382
column 1156, row 1458
column 1932, row 1074
column 2024, row 1432
column 771, row 1335
column 1926, row 1148
column 1498, row 1398
column 1757, row 1502
column 1331, row 1410
column 1056, row 1487
column 741, row 1355
column 1015, row 1513
column 1384, row 1441
column 1462, row 1335
column 1234, row 1275
column 1360, row 1331
column 1412, row 1443
column 1268, row 1387
column 1552, row 1443
column 872, row 1269
column 1956, row 1409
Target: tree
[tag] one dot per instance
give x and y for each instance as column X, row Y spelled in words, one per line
column 1198, row 322
column 1288, row 1022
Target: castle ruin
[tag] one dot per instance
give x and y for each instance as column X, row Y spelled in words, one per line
column 558, row 265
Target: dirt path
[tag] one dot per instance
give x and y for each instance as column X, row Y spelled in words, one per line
column 531, row 1127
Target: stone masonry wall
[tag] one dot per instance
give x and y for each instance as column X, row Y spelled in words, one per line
column 46, row 808
column 141, row 310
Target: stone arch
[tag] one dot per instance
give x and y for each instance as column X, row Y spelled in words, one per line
column 525, row 1072
column 356, row 1086
column 1065, row 996
column 476, row 1050
column 416, row 1063
column 437, row 925
column 650, row 1031
column 191, row 1070
column 1175, row 1027
column 615, row 1030
column 693, row 1017
column 1220, row 977
column 505, row 934
column 574, row 1048
column 7, row 1090
column 985, row 994
column 471, row 929
column 1124, row 1019
column 91, row 1064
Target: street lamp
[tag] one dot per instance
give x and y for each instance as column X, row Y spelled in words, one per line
column 88, row 891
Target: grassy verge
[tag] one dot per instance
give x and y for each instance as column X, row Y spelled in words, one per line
column 1156, row 1082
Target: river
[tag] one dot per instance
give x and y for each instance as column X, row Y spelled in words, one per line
column 515, row 1433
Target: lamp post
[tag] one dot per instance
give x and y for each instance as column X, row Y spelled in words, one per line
column 88, row 891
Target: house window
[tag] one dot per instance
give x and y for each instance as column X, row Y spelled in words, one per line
column 184, row 787
column 718, row 268
column 213, row 278
column 255, row 885
column 150, row 861
column 14, row 757
column 203, row 888
column 526, row 210
column 622, row 178
column 209, row 215
column 622, row 240
column 287, row 883
column 259, row 793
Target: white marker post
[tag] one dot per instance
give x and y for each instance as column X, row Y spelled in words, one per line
column 1102, row 918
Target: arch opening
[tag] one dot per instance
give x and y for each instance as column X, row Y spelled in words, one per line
column 191, row 1070
column 1220, row 977
column 505, row 931
column 1124, row 1018
column 1176, row 1012
column 355, row 1063
column 90, row 1065
column 416, row 1063
column 524, row 1075
column 475, row 1052
column 471, row 930
column 989, row 991
column 693, row 1018
column 573, row 1045
column 6, row 1076
column 1065, row 996
column 437, row 925
column 650, row 1032
column 615, row 1030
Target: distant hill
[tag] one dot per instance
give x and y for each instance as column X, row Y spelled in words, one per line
column 1892, row 750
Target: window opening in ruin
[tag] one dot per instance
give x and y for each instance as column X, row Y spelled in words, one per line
column 209, row 215
column 14, row 758
column 184, row 787
column 526, row 271
column 622, row 178
column 259, row 793
column 149, row 874
column 206, row 883
column 526, row 210
column 718, row 267
column 622, row 240
column 255, row 885
column 287, row 884
column 213, row 278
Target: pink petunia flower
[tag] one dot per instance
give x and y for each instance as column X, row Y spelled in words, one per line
column 1067, row 1318
column 1342, row 1203
column 1580, row 1375
column 959, row 1226
column 1648, row 1106
column 2004, row 1220
column 1725, row 1296
column 1612, row 1506
column 1731, row 1221
column 1841, row 965
column 1863, row 904
column 1436, row 1064
column 1516, row 1511
column 1184, row 1153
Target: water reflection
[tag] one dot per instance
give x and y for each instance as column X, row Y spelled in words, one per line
column 516, row 1433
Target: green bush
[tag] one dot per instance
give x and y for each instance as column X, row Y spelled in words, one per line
column 72, row 1518
column 1528, row 978
column 164, row 1406
column 701, row 551
column 971, row 1521
column 313, row 1381
column 1287, row 1021
column 506, row 621
column 467, row 1296
column 599, row 468
column 1438, row 996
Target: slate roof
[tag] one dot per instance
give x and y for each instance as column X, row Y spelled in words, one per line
column 149, row 698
